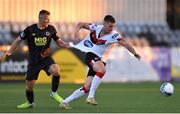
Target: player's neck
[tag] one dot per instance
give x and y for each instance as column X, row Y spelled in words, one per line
column 40, row 26
column 103, row 32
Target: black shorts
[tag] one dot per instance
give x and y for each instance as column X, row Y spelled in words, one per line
column 33, row 70
column 90, row 59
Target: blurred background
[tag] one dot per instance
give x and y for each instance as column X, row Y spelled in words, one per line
column 129, row 85
column 151, row 26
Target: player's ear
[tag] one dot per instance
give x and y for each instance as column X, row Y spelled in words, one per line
column 104, row 23
column 39, row 16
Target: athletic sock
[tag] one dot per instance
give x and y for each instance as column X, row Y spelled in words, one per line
column 30, row 96
column 53, row 93
column 55, row 83
column 95, row 83
column 76, row 94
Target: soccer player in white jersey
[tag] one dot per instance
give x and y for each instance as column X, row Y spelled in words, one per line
column 94, row 45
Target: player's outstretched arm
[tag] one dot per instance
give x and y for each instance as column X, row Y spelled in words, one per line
column 13, row 47
column 62, row 43
column 78, row 27
column 130, row 48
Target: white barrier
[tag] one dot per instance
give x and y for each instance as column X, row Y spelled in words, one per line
column 123, row 67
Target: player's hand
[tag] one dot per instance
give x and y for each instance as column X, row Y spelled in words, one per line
column 3, row 55
column 71, row 45
column 77, row 36
column 137, row 56
column 46, row 53
column 8, row 53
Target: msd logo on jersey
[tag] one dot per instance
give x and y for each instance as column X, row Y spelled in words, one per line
column 88, row 44
column 40, row 41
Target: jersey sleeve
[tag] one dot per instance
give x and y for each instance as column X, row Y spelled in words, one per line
column 93, row 26
column 116, row 37
column 54, row 35
column 24, row 33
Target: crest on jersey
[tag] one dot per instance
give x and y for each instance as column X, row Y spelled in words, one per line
column 96, row 58
column 47, row 33
column 22, row 34
column 88, row 44
column 94, row 26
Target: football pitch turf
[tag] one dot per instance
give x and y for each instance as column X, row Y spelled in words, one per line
column 112, row 98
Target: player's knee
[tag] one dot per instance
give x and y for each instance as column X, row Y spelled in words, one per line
column 100, row 70
column 30, row 85
column 55, row 73
column 55, row 70
column 100, row 74
column 29, row 88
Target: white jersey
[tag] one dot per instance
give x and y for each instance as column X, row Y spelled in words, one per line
column 95, row 44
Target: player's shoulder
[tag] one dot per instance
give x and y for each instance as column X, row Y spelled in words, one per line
column 31, row 26
column 95, row 26
column 115, row 34
column 51, row 26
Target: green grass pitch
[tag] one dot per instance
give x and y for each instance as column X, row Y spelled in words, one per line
column 112, row 98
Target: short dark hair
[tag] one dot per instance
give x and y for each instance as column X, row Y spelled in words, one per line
column 109, row 18
column 44, row 12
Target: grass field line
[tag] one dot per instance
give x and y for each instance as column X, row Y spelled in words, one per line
column 102, row 90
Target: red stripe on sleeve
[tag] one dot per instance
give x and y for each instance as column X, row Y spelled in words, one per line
column 121, row 39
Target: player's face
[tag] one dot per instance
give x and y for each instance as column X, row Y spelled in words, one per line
column 44, row 20
column 108, row 27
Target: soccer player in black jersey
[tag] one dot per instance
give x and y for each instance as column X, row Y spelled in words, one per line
column 38, row 37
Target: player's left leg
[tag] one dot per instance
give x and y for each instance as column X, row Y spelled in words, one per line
column 99, row 68
column 77, row 93
column 54, row 70
column 29, row 95
column 31, row 77
column 81, row 91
